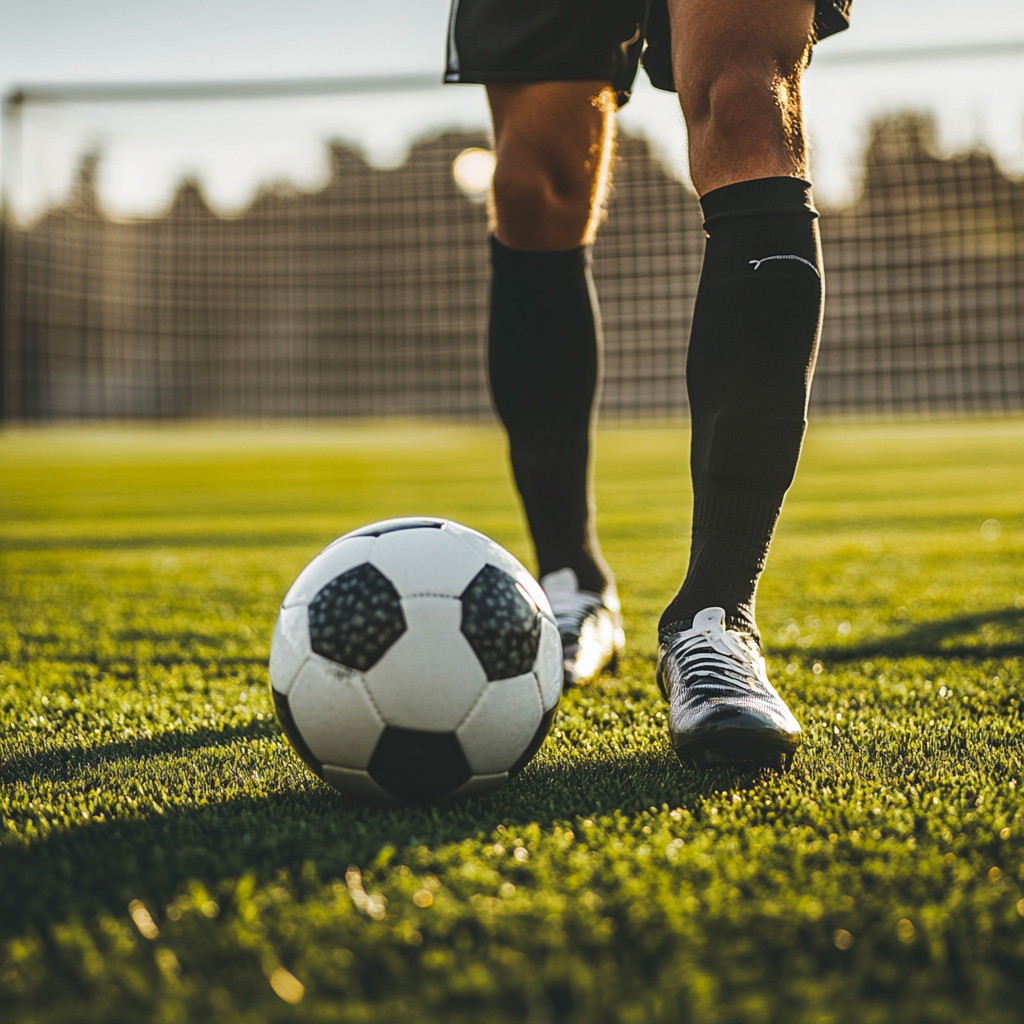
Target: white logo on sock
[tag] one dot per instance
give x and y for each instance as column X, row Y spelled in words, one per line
column 756, row 263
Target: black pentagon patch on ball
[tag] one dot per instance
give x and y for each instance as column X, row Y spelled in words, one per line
column 418, row 767
column 356, row 618
column 501, row 624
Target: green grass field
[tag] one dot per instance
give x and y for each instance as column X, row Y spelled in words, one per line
column 165, row 857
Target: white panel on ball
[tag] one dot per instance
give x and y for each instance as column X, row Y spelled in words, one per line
column 358, row 785
column 332, row 562
column 334, row 714
column 430, row 677
column 494, row 554
column 549, row 666
column 490, row 551
column 479, row 785
column 289, row 647
column 426, row 562
column 501, row 724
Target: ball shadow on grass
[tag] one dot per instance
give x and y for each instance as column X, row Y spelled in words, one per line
column 92, row 866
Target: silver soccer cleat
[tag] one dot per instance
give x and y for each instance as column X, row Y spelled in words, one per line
column 723, row 711
column 590, row 625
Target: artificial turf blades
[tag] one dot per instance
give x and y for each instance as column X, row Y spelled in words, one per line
column 165, row 857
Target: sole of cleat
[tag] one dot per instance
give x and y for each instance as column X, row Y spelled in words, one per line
column 708, row 758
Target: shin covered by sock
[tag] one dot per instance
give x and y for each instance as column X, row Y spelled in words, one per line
column 543, row 362
column 755, row 332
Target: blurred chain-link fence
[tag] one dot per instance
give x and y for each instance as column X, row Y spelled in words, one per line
column 367, row 296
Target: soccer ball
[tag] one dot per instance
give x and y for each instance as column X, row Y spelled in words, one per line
column 415, row 660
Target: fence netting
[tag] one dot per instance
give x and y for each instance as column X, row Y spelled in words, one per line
column 368, row 296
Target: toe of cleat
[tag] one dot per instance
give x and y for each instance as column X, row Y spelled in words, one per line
column 738, row 740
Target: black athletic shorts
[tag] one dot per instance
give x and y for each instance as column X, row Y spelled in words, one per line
column 574, row 40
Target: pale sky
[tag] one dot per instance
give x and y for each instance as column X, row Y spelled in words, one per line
column 233, row 148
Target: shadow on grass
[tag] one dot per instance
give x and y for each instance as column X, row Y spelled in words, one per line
column 91, row 867
column 961, row 636
column 257, row 541
column 61, row 764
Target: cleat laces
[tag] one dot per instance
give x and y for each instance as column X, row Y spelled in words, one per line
column 570, row 605
column 723, row 664
column 572, row 608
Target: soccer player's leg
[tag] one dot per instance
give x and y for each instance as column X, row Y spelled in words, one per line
column 554, row 143
column 737, row 68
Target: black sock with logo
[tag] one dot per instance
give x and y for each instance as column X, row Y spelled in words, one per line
column 755, row 331
column 544, row 364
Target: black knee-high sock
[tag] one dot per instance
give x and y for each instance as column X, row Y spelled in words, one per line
column 754, row 337
column 543, row 362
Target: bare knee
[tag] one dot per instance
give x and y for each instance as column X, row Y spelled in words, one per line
column 540, row 203
column 553, row 142
column 745, row 122
column 742, row 102
column 738, row 68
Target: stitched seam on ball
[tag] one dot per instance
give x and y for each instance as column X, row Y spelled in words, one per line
column 295, row 675
column 366, row 690
column 540, row 692
column 405, row 597
column 479, row 697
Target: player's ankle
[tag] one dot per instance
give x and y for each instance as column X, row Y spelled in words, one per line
column 679, row 615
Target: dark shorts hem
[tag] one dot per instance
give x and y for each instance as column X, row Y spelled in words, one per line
column 577, row 40
column 561, row 75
